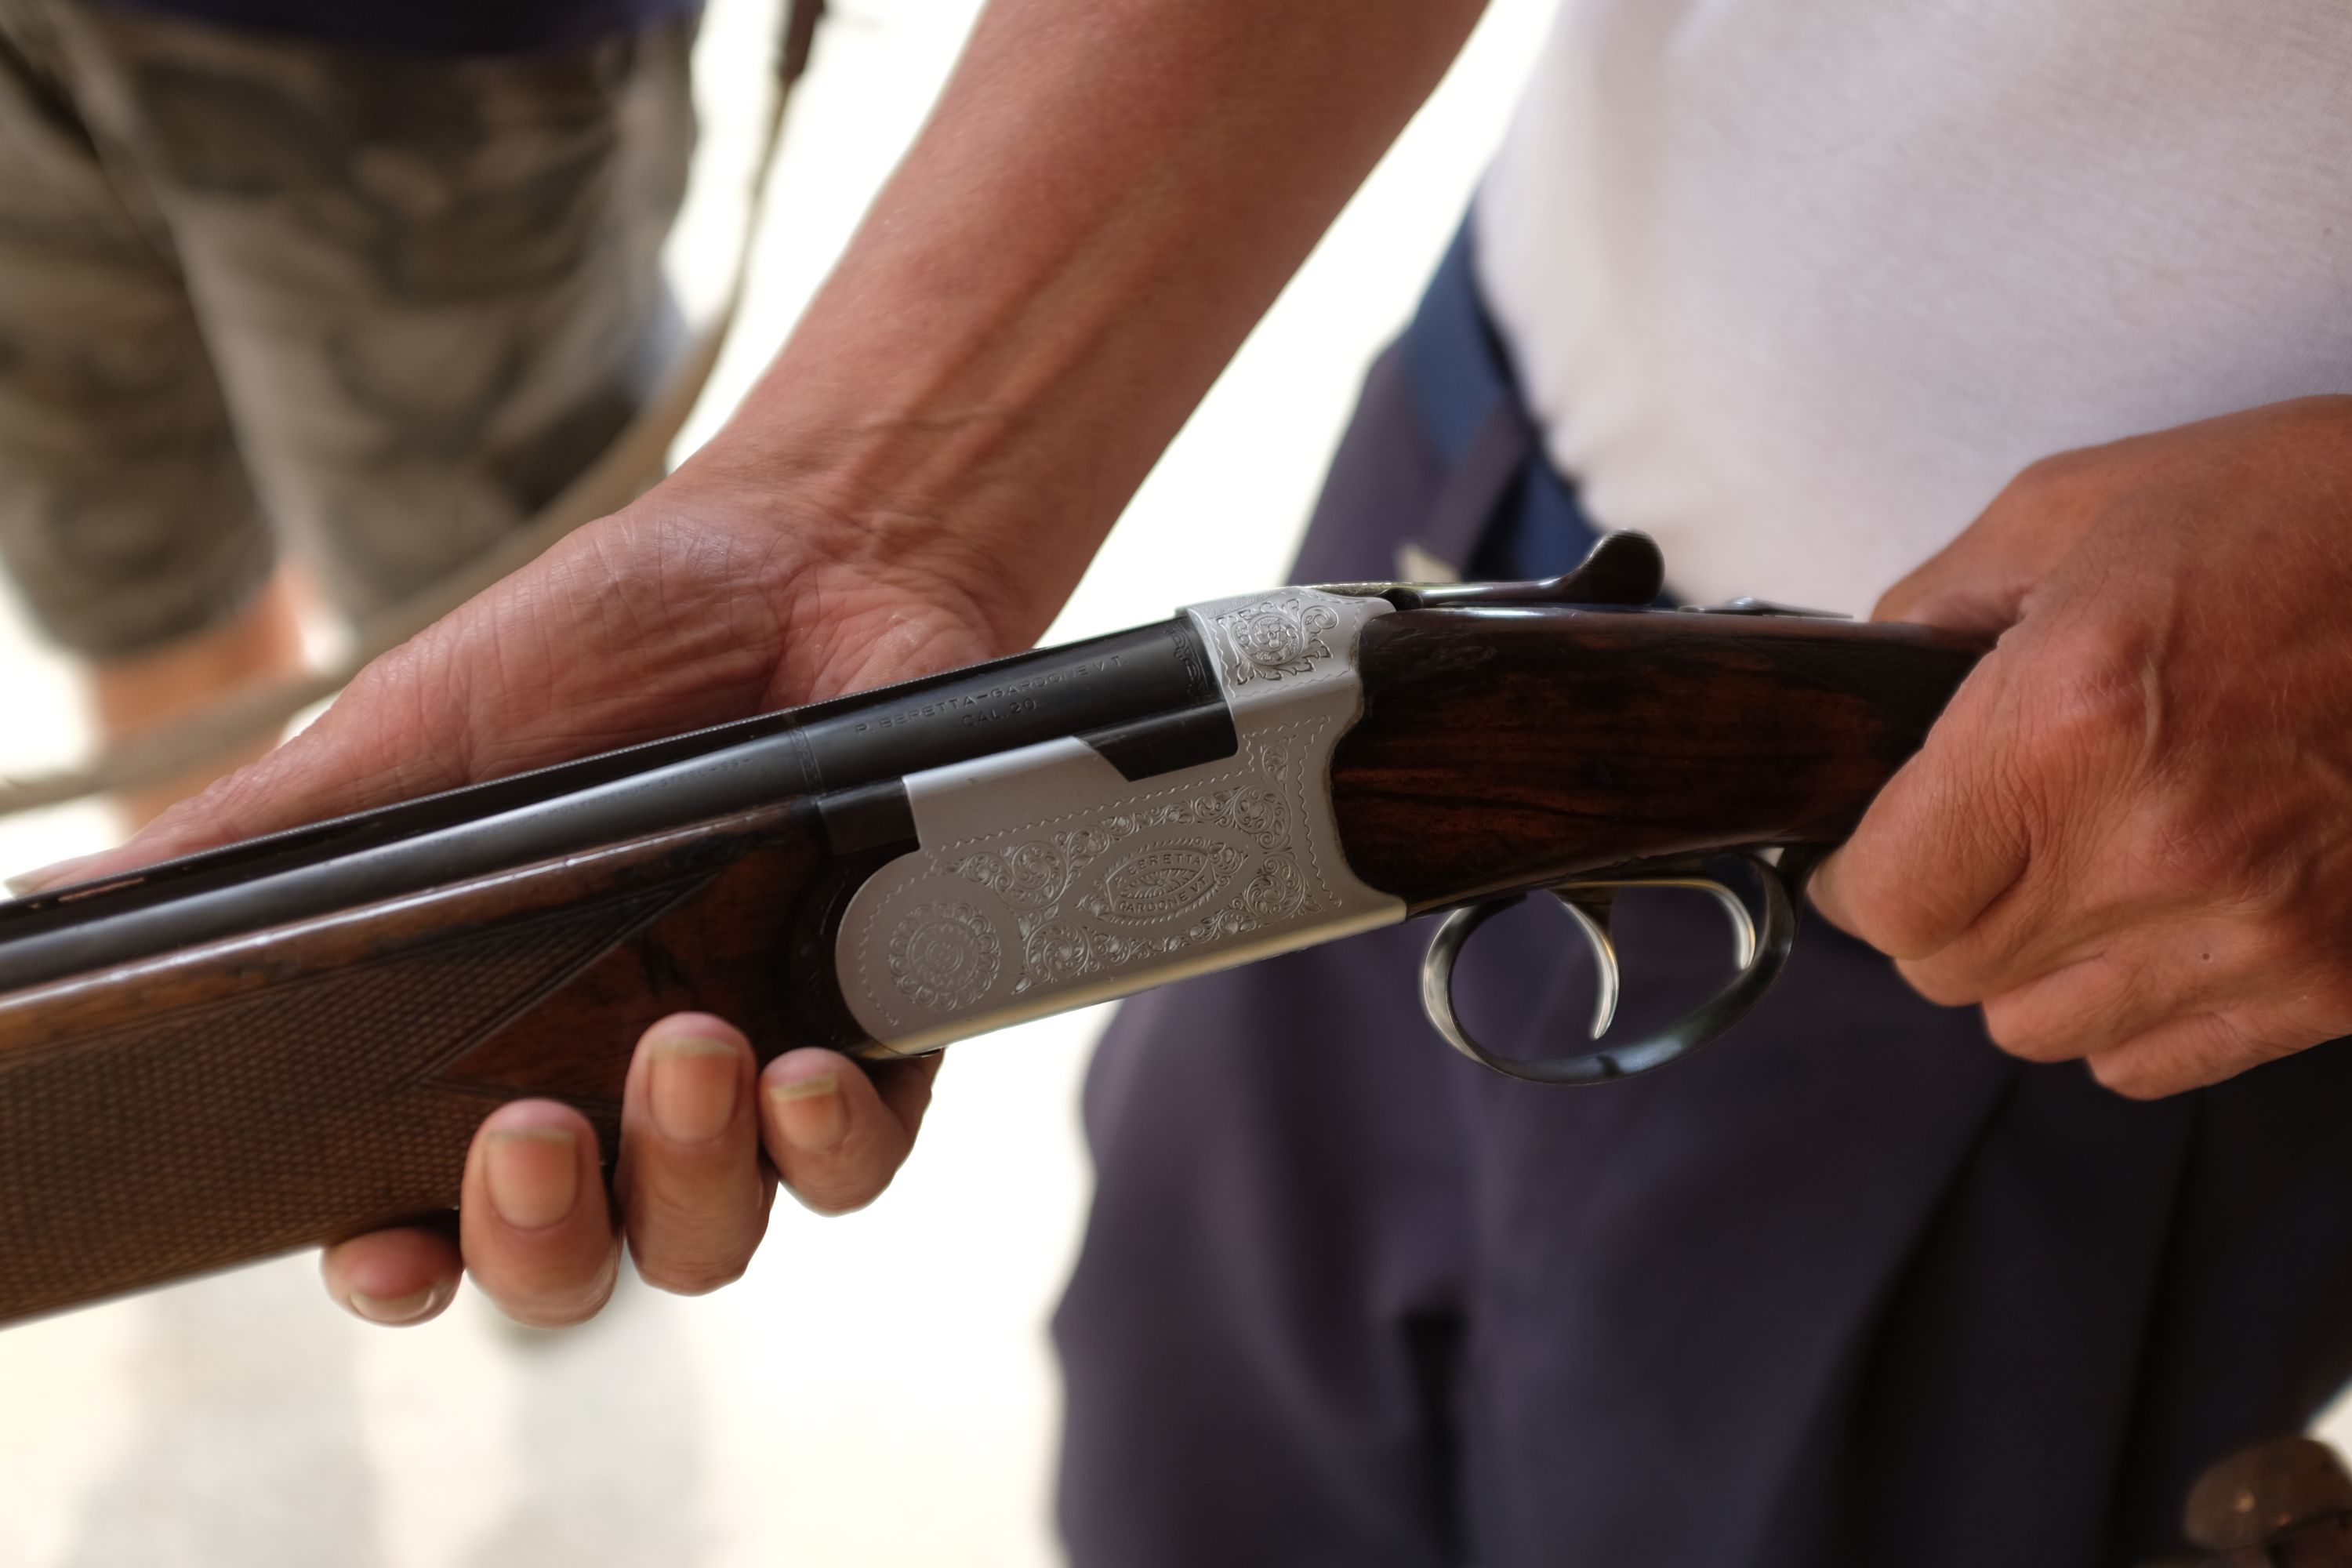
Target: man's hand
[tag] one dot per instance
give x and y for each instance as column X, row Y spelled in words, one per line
column 697, row 606
column 2130, row 837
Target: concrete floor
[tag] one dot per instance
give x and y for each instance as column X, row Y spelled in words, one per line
column 879, row 1390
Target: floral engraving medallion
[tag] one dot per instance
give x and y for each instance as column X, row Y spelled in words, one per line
column 944, row 955
column 1275, row 637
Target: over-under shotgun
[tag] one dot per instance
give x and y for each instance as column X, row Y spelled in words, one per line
column 292, row 1039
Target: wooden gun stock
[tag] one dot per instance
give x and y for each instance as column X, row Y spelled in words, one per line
column 324, row 1078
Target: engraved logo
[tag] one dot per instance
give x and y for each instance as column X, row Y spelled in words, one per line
column 1160, row 884
column 944, row 956
column 1275, row 637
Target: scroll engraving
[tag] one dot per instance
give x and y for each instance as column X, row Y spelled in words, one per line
column 1027, row 877
column 1164, row 889
column 1274, row 637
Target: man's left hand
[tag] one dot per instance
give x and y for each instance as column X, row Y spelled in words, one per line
column 2130, row 836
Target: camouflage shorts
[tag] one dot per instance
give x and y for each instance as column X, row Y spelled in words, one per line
column 255, row 289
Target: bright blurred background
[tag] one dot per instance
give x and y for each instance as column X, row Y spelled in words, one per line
column 879, row 1389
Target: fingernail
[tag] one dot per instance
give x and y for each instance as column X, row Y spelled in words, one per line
column 693, row 1087
column 25, row 884
column 811, row 1114
column 533, row 1175
column 395, row 1309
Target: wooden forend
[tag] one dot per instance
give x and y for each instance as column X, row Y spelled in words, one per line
column 1501, row 750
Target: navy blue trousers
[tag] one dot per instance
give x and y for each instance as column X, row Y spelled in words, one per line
column 1848, row 1287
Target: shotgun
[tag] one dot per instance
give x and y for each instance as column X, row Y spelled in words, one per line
column 292, row 1039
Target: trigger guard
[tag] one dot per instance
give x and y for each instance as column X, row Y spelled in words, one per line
column 1781, row 886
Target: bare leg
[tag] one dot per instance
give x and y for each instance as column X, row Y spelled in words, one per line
column 131, row 694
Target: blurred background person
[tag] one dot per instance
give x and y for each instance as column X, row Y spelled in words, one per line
column 305, row 298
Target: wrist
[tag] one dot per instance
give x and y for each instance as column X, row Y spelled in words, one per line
column 845, row 590
column 939, row 505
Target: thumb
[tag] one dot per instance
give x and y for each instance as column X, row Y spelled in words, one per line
column 1971, row 585
column 1983, row 580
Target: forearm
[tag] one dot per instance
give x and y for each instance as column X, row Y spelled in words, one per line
column 1106, row 196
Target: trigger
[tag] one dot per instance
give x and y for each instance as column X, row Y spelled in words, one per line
column 1592, row 907
column 1743, row 924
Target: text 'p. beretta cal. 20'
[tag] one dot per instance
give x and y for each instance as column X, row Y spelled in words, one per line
column 292, row 1039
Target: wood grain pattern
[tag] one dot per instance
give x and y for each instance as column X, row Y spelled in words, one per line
column 1501, row 752
column 325, row 1077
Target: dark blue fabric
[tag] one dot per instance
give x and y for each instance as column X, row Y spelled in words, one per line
column 1464, row 390
column 454, row 27
column 1848, row 1289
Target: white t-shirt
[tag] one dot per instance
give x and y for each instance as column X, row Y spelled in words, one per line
column 1797, row 286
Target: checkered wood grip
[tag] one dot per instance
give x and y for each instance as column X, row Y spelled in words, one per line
column 265, row 1095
